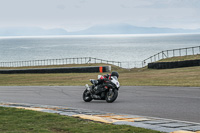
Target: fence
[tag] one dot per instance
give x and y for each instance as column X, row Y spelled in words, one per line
column 64, row 61
column 131, row 64
column 87, row 60
column 172, row 53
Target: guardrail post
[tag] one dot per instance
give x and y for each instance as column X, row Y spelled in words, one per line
column 193, row 50
column 199, row 48
column 167, row 54
column 186, row 51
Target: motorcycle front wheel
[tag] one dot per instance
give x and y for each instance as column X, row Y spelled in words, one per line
column 111, row 96
column 87, row 96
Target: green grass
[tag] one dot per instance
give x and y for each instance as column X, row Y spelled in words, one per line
column 188, row 76
column 19, row 120
column 181, row 58
column 166, row 77
column 23, row 121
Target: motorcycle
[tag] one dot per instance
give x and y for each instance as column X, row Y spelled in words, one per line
column 107, row 91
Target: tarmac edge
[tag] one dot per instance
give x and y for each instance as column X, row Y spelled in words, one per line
column 158, row 124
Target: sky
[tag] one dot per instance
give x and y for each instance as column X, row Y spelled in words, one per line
column 74, row 15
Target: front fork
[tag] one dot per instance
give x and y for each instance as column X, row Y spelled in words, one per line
column 88, row 89
column 110, row 91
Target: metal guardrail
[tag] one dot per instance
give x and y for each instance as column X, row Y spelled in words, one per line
column 172, row 53
column 131, row 64
column 88, row 60
column 64, row 61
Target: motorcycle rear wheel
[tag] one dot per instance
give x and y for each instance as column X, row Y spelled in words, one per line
column 111, row 97
column 87, row 97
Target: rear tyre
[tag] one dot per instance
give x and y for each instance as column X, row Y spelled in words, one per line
column 111, row 97
column 87, row 96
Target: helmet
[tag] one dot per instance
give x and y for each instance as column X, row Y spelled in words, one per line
column 115, row 74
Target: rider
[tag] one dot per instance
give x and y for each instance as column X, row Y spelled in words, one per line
column 104, row 79
column 107, row 77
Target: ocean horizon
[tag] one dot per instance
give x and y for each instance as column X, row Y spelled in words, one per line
column 115, row 47
column 100, row 35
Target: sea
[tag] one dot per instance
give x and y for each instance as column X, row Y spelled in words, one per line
column 123, row 48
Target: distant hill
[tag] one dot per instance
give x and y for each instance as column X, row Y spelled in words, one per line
column 95, row 30
column 129, row 29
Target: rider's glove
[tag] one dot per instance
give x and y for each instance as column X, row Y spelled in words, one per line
column 96, row 82
column 107, row 75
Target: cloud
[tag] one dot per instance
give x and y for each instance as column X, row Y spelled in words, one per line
column 61, row 7
column 74, row 14
column 175, row 4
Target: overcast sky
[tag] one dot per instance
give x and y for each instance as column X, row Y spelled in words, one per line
column 74, row 15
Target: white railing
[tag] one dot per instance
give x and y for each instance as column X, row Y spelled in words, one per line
column 172, row 53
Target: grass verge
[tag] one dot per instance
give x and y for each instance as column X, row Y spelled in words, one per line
column 188, row 76
column 181, row 58
column 23, row 121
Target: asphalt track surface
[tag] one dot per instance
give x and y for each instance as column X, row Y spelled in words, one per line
column 177, row 103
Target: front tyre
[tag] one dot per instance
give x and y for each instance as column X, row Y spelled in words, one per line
column 87, row 96
column 111, row 96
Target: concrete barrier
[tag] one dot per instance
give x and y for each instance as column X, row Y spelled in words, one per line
column 177, row 64
column 89, row 69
